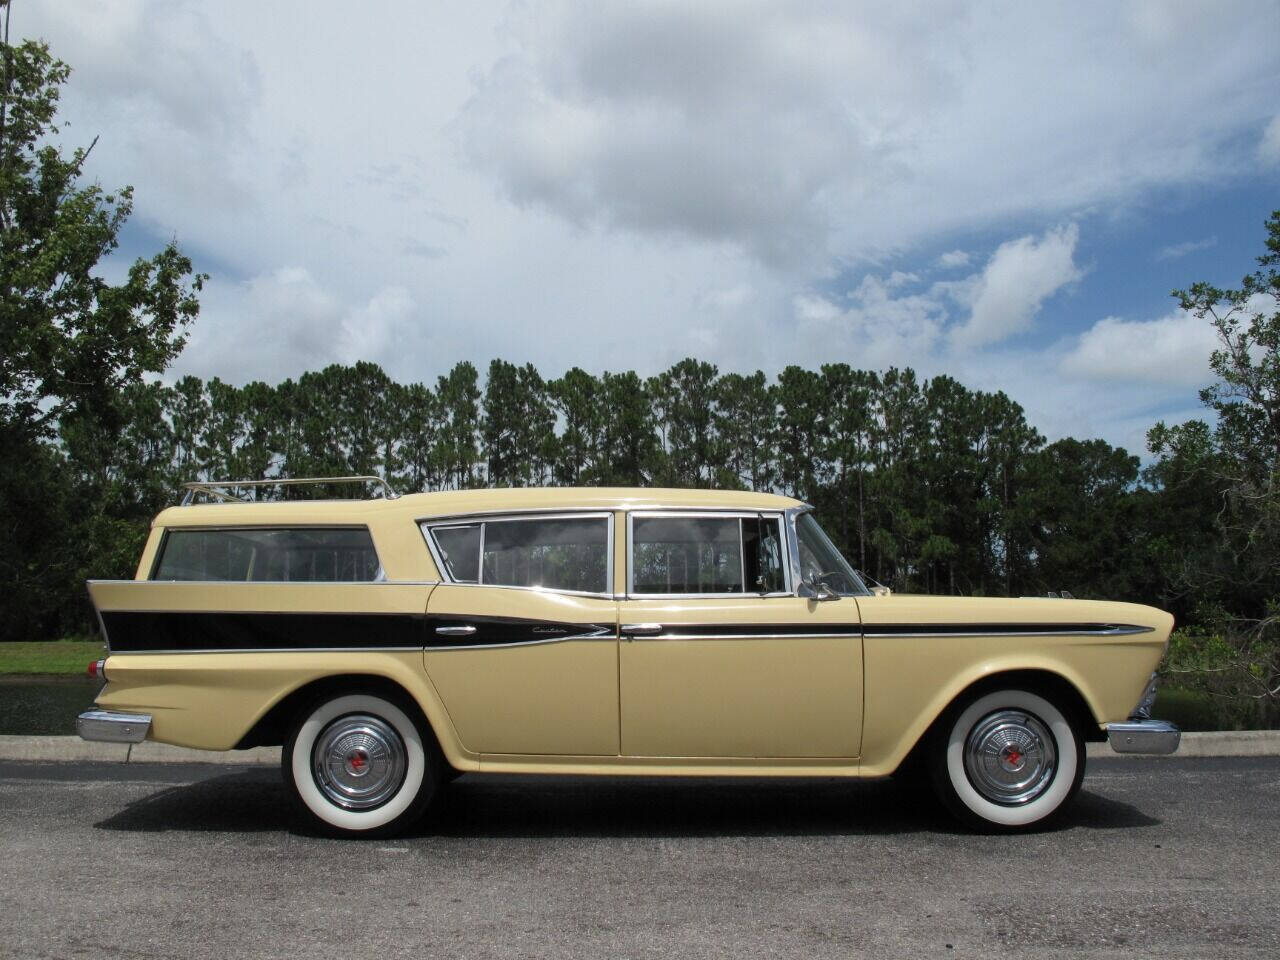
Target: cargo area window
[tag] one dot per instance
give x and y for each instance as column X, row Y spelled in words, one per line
column 300, row 554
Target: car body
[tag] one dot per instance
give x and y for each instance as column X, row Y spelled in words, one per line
column 389, row 643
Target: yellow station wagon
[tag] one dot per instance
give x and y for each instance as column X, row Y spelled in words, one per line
column 388, row 643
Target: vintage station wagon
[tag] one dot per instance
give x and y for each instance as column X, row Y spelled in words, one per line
column 389, row 643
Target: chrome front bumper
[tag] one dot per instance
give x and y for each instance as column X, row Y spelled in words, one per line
column 113, row 727
column 1144, row 736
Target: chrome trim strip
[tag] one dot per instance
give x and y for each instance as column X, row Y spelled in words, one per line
column 793, row 547
column 1118, row 630
column 107, row 726
column 166, row 653
column 673, row 635
column 328, row 584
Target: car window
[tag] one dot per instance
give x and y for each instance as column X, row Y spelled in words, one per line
column 554, row 553
column 762, row 553
column 339, row 554
column 459, row 548
column 821, row 562
column 706, row 555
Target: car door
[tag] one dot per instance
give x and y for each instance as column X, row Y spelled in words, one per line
column 522, row 644
column 718, row 657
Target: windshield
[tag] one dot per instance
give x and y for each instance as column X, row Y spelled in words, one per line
column 821, row 562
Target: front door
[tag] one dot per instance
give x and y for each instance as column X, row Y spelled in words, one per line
column 718, row 658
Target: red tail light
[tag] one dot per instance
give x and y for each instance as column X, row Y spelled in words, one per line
column 98, row 669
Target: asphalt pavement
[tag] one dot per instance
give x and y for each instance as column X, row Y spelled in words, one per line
column 1160, row 857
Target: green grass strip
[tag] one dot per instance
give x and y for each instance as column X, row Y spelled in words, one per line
column 58, row 656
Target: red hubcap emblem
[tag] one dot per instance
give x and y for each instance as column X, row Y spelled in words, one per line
column 358, row 760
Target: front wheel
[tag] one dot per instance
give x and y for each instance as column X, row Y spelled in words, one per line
column 1006, row 761
column 359, row 765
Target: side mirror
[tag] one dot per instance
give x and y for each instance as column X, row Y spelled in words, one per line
column 818, row 591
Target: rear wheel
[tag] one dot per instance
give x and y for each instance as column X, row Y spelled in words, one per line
column 1007, row 760
column 360, row 765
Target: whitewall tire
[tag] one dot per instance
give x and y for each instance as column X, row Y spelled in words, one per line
column 1006, row 761
column 360, row 765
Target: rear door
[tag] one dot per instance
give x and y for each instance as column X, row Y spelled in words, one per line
column 522, row 644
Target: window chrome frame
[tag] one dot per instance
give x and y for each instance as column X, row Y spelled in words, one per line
column 677, row 513
column 427, row 524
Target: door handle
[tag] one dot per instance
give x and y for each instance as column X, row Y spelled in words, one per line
column 458, row 631
column 641, row 629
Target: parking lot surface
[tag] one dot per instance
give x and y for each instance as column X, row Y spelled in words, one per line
column 1160, row 857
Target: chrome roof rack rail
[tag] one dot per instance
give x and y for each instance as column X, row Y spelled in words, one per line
column 217, row 489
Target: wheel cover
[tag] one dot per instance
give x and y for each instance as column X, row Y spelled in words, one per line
column 359, row 762
column 1010, row 757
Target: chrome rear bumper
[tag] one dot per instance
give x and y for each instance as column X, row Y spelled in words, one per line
column 113, row 727
column 1144, row 736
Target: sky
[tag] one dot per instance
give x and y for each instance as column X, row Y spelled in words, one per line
column 1005, row 193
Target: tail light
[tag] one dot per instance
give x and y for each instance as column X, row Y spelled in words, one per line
column 98, row 669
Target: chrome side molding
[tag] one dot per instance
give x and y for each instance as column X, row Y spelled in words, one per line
column 109, row 727
column 1144, row 736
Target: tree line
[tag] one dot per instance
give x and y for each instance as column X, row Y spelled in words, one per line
column 926, row 484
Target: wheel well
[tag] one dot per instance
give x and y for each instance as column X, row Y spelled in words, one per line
column 273, row 726
column 1052, row 686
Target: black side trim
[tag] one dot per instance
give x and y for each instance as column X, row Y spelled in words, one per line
column 140, row 632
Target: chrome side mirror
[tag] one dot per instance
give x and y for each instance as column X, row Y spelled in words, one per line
column 818, row 591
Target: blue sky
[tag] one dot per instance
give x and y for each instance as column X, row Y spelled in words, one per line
column 1004, row 194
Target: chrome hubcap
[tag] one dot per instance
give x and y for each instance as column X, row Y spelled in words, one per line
column 1010, row 757
column 358, row 762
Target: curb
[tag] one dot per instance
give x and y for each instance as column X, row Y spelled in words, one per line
column 1223, row 743
column 73, row 749
column 1231, row 743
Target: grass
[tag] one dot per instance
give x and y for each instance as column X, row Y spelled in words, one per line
column 58, row 656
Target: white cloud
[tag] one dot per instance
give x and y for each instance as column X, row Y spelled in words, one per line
column 1172, row 350
column 279, row 324
column 1176, row 251
column 1020, row 276
column 600, row 184
column 1269, row 145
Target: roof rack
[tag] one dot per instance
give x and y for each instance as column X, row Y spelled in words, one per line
column 217, row 489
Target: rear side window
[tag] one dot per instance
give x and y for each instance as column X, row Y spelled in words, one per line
column 554, row 553
column 335, row 554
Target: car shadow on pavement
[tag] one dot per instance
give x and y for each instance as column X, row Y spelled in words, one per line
column 538, row 806
column 249, row 800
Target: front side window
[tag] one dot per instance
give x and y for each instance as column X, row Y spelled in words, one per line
column 821, row 562
column 706, row 555
column 336, row 554
column 554, row 553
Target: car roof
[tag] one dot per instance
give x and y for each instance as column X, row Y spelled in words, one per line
column 447, row 503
